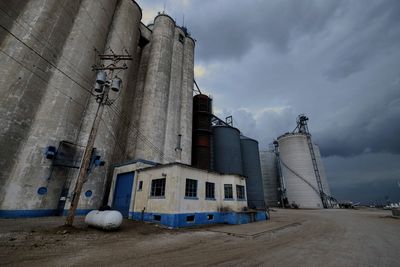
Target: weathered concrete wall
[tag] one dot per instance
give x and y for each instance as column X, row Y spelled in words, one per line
column 155, row 97
column 172, row 130
column 31, row 53
column 187, row 101
column 175, row 201
column 123, row 35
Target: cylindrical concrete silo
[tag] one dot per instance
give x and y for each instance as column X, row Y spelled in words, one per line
column 298, row 171
column 123, row 38
column 227, row 154
column 172, row 149
column 52, row 99
column 321, row 169
column 187, row 100
column 155, row 96
column 252, row 172
column 270, row 177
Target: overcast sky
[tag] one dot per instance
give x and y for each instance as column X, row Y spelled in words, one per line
column 265, row 62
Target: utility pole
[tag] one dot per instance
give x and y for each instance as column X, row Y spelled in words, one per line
column 104, row 82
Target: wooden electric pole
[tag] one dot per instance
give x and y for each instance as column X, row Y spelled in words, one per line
column 102, row 100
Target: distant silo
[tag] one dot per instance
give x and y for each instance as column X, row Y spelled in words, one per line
column 155, row 96
column 298, row 172
column 187, row 99
column 270, row 177
column 172, row 144
column 321, row 169
column 252, row 172
column 201, row 144
column 227, row 154
column 50, row 102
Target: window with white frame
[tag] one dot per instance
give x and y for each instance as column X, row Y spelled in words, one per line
column 210, row 190
column 191, row 188
column 158, row 187
column 228, row 192
column 240, row 192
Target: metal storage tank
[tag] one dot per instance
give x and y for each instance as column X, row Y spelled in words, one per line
column 227, row 154
column 64, row 35
column 155, row 96
column 201, row 150
column 187, row 99
column 122, row 38
column 172, row 146
column 321, row 169
column 252, row 172
column 298, row 172
column 270, row 178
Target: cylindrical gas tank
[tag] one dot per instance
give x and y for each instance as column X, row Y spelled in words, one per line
column 107, row 219
column 226, row 148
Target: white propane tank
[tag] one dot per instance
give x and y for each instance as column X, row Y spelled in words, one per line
column 107, row 219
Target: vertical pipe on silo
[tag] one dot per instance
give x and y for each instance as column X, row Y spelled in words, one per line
column 153, row 117
column 122, row 38
column 35, row 96
column 172, row 131
column 187, row 100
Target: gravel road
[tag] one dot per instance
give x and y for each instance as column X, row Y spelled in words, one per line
column 365, row 237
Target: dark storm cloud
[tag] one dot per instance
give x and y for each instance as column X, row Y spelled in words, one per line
column 338, row 62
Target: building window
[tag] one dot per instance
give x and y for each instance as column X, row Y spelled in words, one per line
column 191, row 188
column 190, row 218
column 228, row 191
column 157, row 218
column 140, row 186
column 158, row 187
column 181, row 38
column 210, row 217
column 210, row 190
column 240, row 192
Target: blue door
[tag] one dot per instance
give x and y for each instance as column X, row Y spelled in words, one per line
column 123, row 192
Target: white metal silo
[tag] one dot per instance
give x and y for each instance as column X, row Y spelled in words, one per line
column 270, row 177
column 321, row 169
column 298, row 171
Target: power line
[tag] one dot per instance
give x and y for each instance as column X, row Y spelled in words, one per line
column 50, row 63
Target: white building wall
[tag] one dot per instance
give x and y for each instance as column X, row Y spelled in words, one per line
column 175, row 201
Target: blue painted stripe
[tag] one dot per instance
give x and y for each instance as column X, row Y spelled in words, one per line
column 202, row 218
column 26, row 213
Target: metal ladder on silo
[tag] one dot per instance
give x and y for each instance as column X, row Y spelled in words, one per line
column 316, row 170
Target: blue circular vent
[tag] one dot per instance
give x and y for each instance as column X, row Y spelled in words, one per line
column 42, row 190
column 88, row 193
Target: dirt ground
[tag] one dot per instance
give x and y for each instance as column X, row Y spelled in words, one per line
column 364, row 237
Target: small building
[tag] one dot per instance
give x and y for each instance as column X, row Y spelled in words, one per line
column 178, row 195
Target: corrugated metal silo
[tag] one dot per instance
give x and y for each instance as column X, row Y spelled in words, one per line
column 227, row 154
column 298, row 172
column 252, row 171
column 155, row 95
column 270, row 177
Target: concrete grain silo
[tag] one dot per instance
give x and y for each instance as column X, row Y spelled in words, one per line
column 270, row 178
column 187, row 99
column 153, row 118
column 122, row 38
column 53, row 73
column 252, row 172
column 298, row 172
column 227, row 155
column 172, row 132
